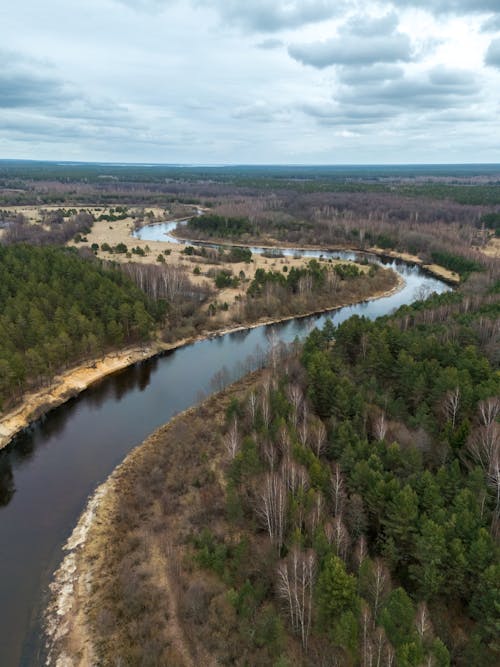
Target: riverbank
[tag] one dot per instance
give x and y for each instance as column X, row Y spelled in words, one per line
column 435, row 270
column 69, row 384
column 73, row 612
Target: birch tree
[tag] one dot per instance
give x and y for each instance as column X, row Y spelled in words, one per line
column 272, row 506
column 296, row 577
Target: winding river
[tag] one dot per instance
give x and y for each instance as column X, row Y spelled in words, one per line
column 48, row 472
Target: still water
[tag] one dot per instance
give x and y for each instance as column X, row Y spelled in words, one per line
column 48, row 472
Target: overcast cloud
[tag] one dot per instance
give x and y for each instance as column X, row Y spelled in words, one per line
column 251, row 81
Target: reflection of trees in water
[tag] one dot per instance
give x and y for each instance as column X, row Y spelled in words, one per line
column 7, row 487
column 136, row 376
column 54, row 422
column 239, row 335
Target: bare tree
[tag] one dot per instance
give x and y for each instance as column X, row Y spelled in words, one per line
column 284, row 442
column 296, row 397
column 265, row 405
column 379, row 585
column 296, row 577
column 360, row 552
column 272, row 507
column 484, row 446
column 489, row 410
column 304, row 428
column 274, row 347
column 338, row 489
column 270, row 453
column 232, row 439
column 338, row 536
column 252, row 406
column 390, row 655
column 451, row 405
column 380, row 426
column 315, row 516
column 318, row 438
column 366, row 641
column 423, row 621
column 380, row 643
column 295, row 476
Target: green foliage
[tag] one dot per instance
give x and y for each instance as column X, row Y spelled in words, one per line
column 457, row 263
column 211, row 553
column 336, row 592
column 491, row 221
column 314, row 272
column 225, row 278
column 219, row 226
column 238, row 255
column 347, row 271
column 397, row 618
column 57, row 308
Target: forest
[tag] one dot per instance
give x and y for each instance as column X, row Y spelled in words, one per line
column 344, row 509
column 58, row 309
column 341, row 507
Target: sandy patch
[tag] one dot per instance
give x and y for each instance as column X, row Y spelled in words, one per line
column 492, row 249
column 66, row 385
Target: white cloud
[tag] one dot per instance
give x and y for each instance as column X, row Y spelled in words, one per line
column 225, row 81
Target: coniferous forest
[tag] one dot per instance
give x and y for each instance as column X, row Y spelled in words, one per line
column 57, row 309
column 344, row 509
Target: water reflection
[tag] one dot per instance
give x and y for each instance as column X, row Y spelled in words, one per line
column 7, row 487
column 46, row 475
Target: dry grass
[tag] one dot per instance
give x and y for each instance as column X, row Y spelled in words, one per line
column 134, row 596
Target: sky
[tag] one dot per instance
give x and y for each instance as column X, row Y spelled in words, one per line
column 251, row 81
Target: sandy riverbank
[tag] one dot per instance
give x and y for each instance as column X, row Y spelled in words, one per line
column 75, row 380
column 67, row 632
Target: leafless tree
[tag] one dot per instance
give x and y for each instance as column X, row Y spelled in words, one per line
column 252, row 406
column 265, row 405
column 270, row 453
column 380, row 643
column 315, row 516
column 360, row 552
column 232, row 439
column 380, row 426
column 296, row 397
column 296, row 577
column 338, row 536
column 379, row 585
column 367, row 651
column 272, row 506
column 304, row 428
column 318, row 437
column 273, row 347
column 489, row 410
column 390, row 655
column 484, row 446
column 284, row 442
column 423, row 621
column 338, row 489
column 451, row 405
column 295, row 476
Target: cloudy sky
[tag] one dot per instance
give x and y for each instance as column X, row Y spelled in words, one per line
column 251, row 81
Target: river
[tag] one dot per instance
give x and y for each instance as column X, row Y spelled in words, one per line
column 48, row 472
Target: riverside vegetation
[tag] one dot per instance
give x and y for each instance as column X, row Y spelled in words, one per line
column 61, row 308
column 341, row 508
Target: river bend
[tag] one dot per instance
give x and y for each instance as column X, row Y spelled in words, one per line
column 48, row 472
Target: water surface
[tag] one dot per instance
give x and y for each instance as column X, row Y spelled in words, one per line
column 47, row 473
